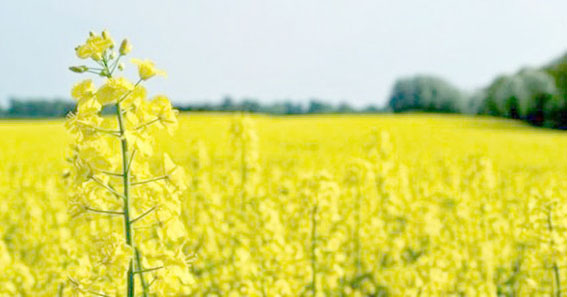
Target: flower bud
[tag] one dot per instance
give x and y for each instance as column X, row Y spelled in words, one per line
column 106, row 36
column 121, row 66
column 104, row 73
column 96, row 56
column 91, row 33
column 125, row 47
column 112, row 55
column 79, row 69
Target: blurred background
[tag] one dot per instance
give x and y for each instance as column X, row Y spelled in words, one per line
column 502, row 58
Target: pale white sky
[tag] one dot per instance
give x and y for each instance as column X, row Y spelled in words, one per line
column 348, row 50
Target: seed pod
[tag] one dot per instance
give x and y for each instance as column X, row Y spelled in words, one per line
column 79, row 69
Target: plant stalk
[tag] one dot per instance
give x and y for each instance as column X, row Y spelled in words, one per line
column 131, row 287
column 126, row 208
column 314, row 250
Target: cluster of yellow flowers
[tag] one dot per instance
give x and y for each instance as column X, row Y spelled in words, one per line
column 116, row 173
column 306, row 206
column 410, row 205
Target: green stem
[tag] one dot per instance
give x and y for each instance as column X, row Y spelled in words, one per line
column 107, row 187
column 115, row 64
column 149, row 180
column 147, row 124
column 60, row 290
column 141, row 271
column 314, row 250
column 357, row 254
column 145, row 213
column 243, row 167
column 126, row 163
column 112, row 173
column 557, row 279
column 126, row 211
column 131, row 285
column 556, row 273
column 149, row 269
column 108, row 212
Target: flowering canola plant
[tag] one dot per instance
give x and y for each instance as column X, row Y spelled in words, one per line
column 116, row 173
column 405, row 205
column 298, row 206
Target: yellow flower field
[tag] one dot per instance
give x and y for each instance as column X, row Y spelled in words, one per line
column 387, row 205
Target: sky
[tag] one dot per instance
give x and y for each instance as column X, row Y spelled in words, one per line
column 341, row 51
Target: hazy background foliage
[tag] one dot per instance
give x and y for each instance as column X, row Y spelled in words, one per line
column 537, row 95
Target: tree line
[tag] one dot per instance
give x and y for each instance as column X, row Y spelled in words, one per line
column 52, row 108
column 37, row 108
column 535, row 95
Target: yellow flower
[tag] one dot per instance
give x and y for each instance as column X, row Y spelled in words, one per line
column 174, row 230
column 113, row 90
column 175, row 174
column 95, row 46
column 88, row 107
column 147, row 69
column 160, row 106
column 136, row 98
column 83, row 90
column 102, row 147
column 136, row 139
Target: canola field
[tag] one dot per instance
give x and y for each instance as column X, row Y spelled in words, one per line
column 404, row 205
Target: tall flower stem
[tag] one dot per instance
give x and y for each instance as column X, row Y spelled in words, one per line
column 556, row 274
column 126, row 208
column 357, row 247
column 314, row 250
column 89, row 126
column 137, row 266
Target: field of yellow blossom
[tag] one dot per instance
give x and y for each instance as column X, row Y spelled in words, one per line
column 388, row 205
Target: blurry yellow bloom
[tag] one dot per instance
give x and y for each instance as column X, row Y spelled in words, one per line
column 83, row 90
column 95, row 46
column 175, row 174
column 174, row 230
column 147, row 69
column 113, row 90
column 160, row 106
column 89, row 107
column 136, row 98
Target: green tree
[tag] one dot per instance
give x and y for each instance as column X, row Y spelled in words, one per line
column 425, row 93
column 528, row 94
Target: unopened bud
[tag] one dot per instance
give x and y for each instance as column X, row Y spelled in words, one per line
column 106, row 36
column 112, row 55
column 91, row 33
column 79, row 69
column 121, row 66
column 104, row 73
column 125, row 47
column 97, row 56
